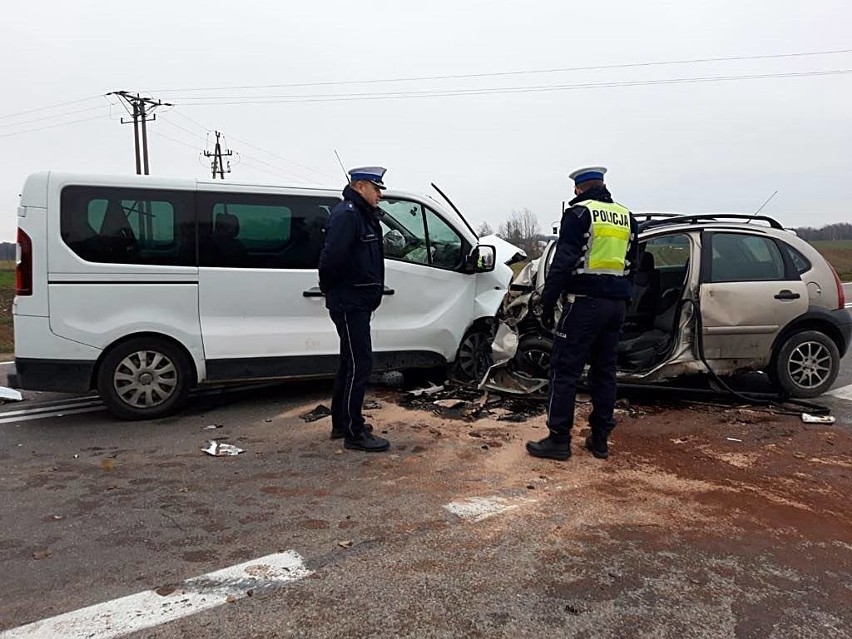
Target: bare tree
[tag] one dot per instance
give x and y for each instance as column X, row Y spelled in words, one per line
column 484, row 229
column 522, row 229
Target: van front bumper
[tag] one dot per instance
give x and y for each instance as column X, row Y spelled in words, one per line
column 57, row 375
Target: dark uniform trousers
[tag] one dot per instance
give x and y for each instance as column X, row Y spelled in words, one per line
column 353, row 373
column 588, row 331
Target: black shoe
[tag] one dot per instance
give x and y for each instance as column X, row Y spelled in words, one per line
column 337, row 433
column 367, row 442
column 598, row 447
column 550, row 449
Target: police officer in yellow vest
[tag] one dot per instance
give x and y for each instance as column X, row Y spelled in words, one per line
column 592, row 272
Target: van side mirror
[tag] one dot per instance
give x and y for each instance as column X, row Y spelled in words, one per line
column 482, row 259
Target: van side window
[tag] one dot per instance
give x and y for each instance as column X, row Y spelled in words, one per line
column 129, row 226
column 415, row 233
column 262, row 230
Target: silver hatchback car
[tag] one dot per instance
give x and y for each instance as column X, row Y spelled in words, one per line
column 713, row 293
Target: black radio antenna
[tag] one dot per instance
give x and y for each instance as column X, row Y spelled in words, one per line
column 753, row 215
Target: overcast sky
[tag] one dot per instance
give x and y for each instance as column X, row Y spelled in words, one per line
column 684, row 146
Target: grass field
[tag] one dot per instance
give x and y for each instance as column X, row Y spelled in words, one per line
column 839, row 254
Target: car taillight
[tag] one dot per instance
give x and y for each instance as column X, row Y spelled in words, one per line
column 24, row 267
column 841, row 296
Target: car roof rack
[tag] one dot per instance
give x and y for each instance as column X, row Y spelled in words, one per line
column 653, row 220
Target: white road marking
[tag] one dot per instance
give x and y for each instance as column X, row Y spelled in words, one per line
column 52, row 407
column 844, row 392
column 148, row 609
column 479, row 508
column 61, row 413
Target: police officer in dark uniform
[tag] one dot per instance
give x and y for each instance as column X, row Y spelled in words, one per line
column 592, row 271
column 352, row 277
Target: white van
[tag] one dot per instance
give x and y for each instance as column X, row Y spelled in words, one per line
column 144, row 287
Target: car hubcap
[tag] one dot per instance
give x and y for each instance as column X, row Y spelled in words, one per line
column 145, row 378
column 809, row 364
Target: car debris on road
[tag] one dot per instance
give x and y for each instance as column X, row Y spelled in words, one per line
column 220, row 449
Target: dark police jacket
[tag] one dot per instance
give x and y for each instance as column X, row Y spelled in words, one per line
column 561, row 278
column 352, row 267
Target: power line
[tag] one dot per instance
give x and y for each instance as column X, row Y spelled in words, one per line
column 52, row 126
column 51, row 106
column 467, row 76
column 50, row 117
column 345, row 97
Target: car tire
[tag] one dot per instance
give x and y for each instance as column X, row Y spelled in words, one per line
column 533, row 356
column 473, row 358
column 806, row 364
column 144, row 378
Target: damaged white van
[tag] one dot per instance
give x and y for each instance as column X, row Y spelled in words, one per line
column 145, row 287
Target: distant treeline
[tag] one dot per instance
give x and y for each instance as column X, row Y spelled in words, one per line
column 7, row 251
column 840, row 231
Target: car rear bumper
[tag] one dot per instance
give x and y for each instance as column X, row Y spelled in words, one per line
column 57, row 375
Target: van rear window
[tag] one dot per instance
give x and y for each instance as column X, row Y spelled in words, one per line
column 129, row 226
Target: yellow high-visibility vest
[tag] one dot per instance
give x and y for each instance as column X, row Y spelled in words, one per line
column 608, row 239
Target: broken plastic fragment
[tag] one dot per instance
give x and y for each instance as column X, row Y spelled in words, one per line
column 449, row 403
column 817, row 419
column 317, row 413
column 218, row 449
column 10, row 394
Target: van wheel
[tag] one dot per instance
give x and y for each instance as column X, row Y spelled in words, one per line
column 144, row 378
column 474, row 355
column 806, row 364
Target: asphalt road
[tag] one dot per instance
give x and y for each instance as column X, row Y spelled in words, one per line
column 455, row 532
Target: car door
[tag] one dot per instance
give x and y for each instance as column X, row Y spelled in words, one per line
column 432, row 301
column 262, row 314
column 749, row 292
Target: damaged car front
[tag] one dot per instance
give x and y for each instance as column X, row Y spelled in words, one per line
column 714, row 294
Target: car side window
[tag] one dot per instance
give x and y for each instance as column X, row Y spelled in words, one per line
column 129, row 226
column 414, row 233
column 740, row 257
column 799, row 261
column 270, row 231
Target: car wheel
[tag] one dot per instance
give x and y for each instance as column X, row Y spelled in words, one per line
column 144, row 378
column 533, row 356
column 474, row 355
column 806, row 364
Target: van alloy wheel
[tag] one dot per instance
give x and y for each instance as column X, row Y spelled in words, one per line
column 474, row 355
column 145, row 379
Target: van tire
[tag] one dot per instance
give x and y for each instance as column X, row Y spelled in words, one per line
column 144, row 378
column 473, row 358
column 800, row 352
column 533, row 355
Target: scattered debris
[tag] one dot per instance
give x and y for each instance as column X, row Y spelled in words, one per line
column 449, row 403
column 734, row 439
column 372, row 404
column 231, row 599
column 817, row 419
column 345, row 544
column 431, row 390
column 572, row 610
column 42, row 553
column 317, row 413
column 107, row 464
column 218, row 449
column 58, row 517
column 166, row 590
column 10, row 395
column 212, row 427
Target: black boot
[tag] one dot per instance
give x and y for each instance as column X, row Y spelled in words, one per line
column 549, row 448
column 598, row 446
column 337, row 433
column 366, row 442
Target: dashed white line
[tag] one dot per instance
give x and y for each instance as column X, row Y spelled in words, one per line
column 148, row 609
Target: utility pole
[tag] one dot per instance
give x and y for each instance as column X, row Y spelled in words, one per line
column 141, row 110
column 217, row 166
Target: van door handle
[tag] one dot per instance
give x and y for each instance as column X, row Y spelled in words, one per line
column 787, row 294
column 314, row 291
column 388, row 291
